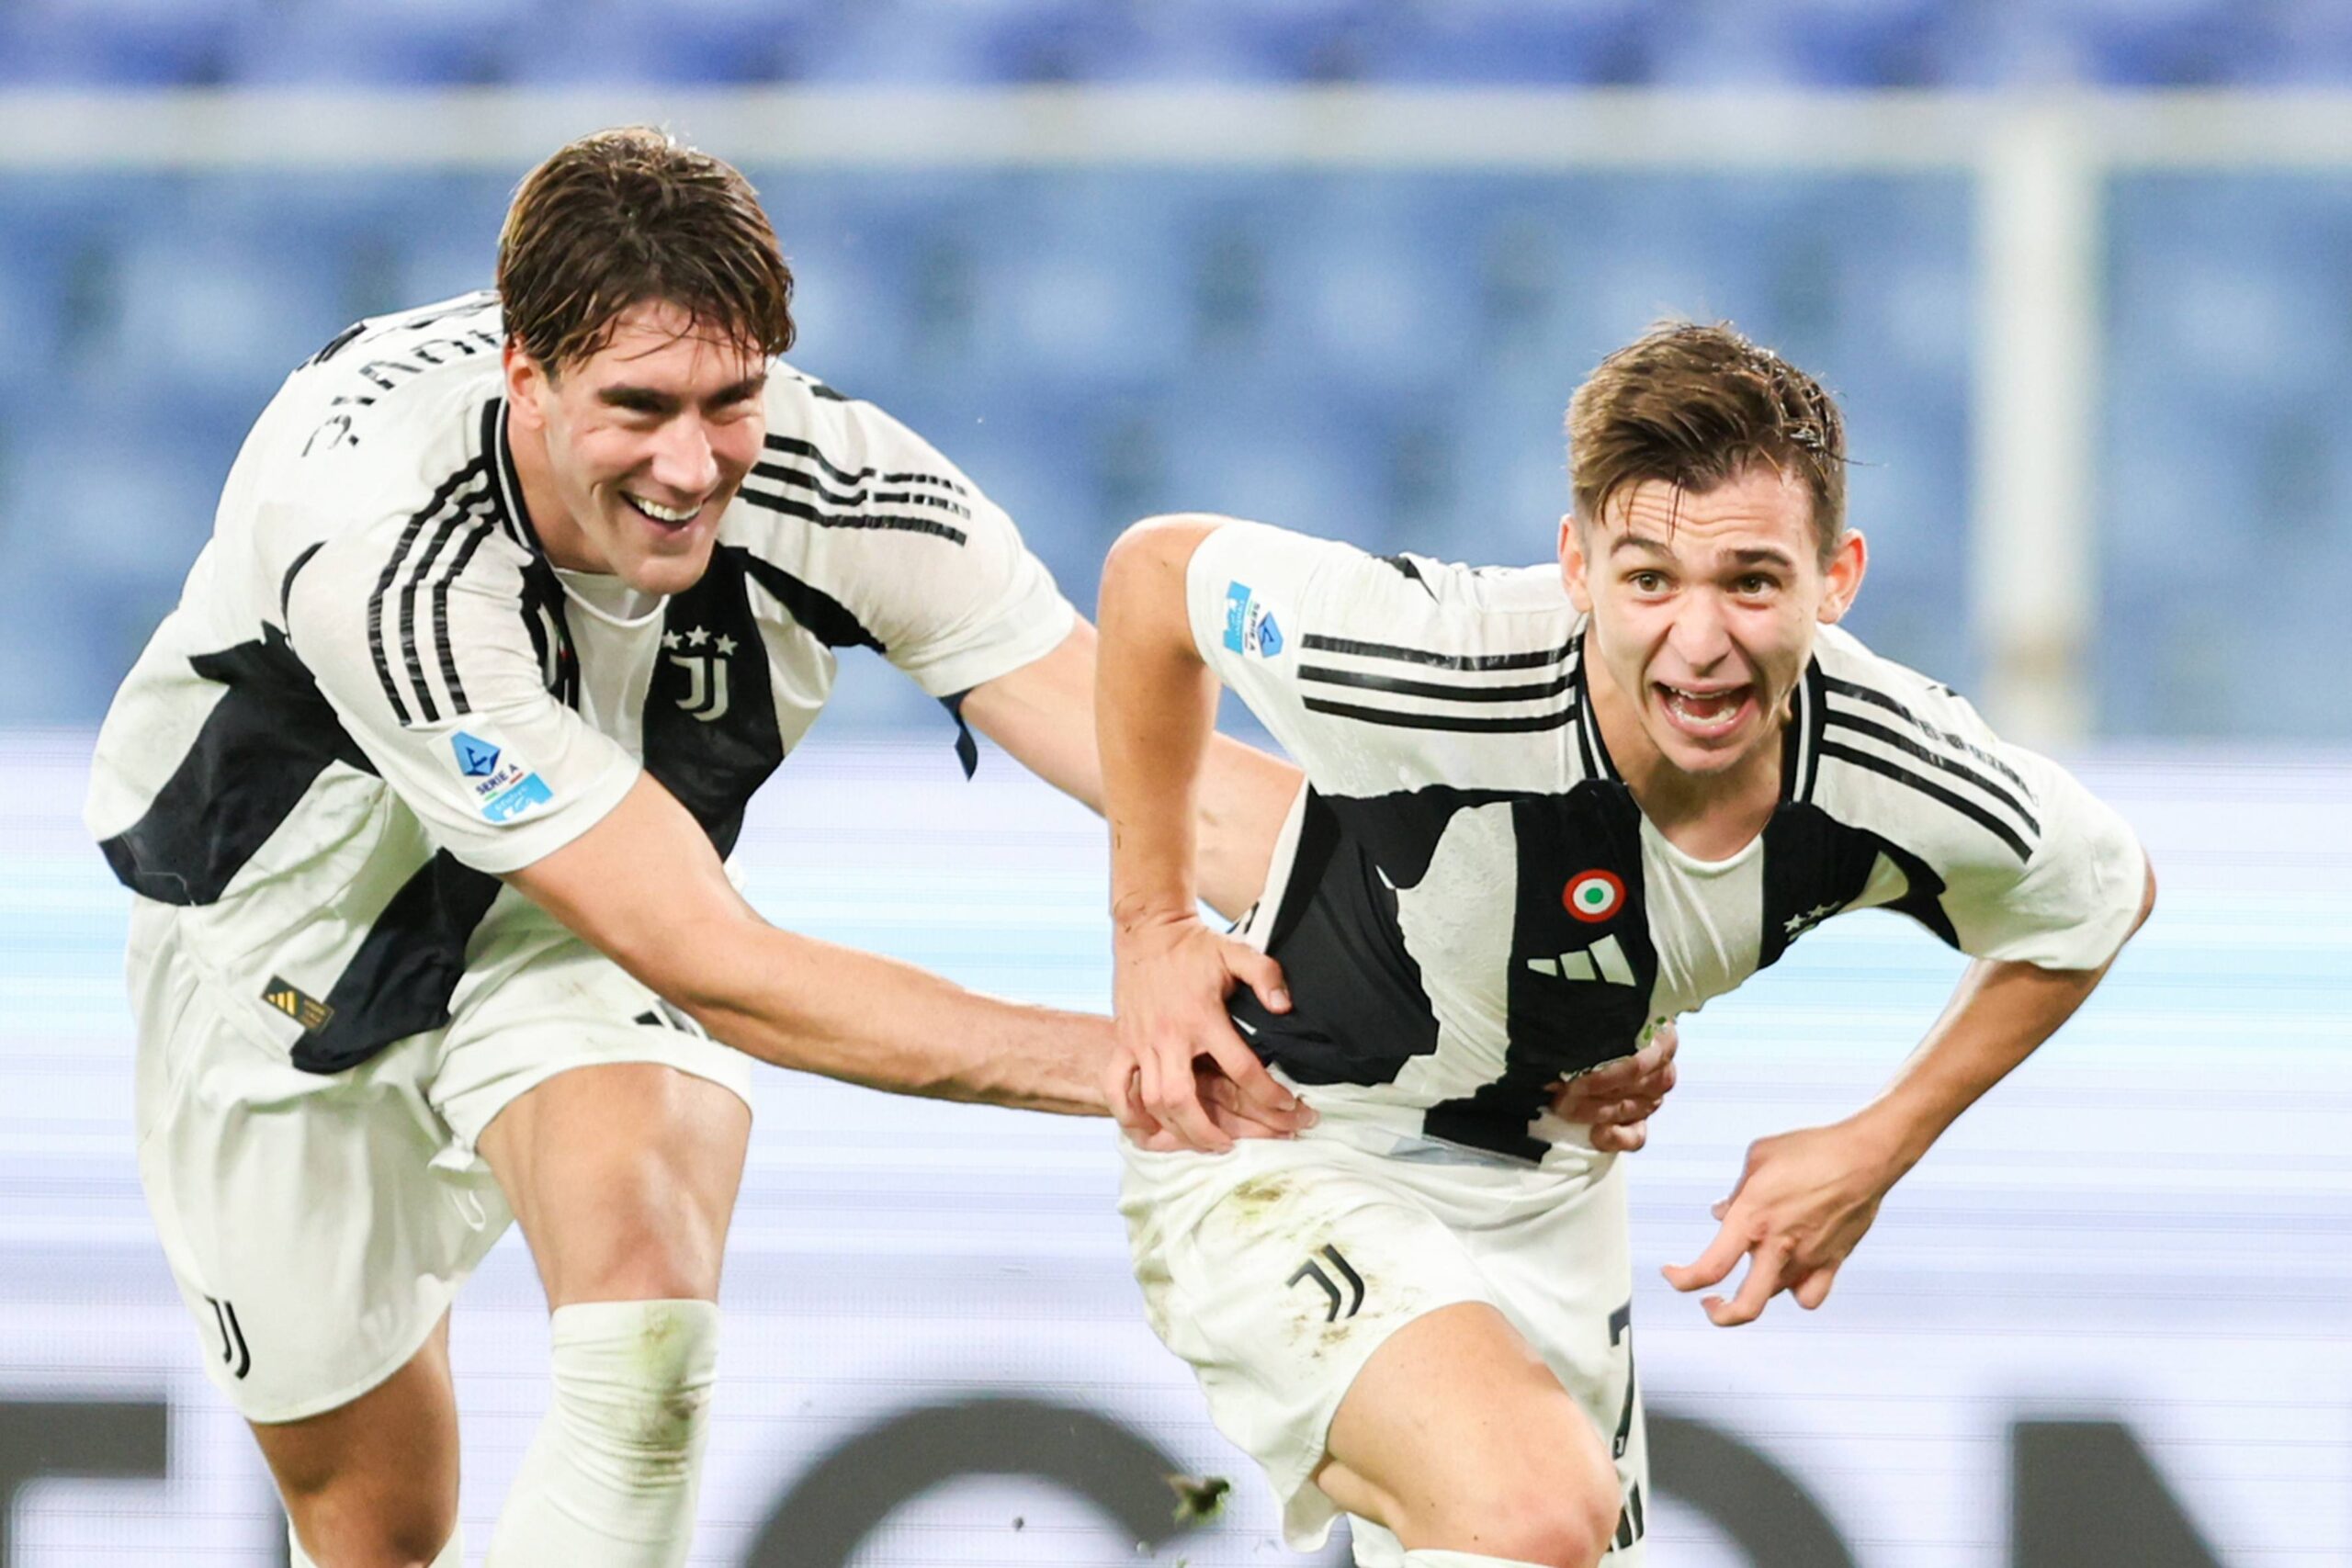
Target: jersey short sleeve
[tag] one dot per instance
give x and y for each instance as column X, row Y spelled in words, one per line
column 923, row 561
column 2071, row 902
column 1248, row 592
column 437, row 677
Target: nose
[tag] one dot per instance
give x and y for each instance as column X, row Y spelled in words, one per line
column 1700, row 638
column 683, row 460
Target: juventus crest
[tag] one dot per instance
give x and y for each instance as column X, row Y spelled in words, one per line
column 704, row 659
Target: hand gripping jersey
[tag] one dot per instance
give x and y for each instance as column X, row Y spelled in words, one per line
column 1468, row 904
column 377, row 693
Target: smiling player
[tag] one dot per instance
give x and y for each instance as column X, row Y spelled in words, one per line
column 512, row 603
column 1547, row 809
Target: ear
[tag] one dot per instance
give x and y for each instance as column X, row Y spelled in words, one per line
column 1572, row 565
column 1849, row 560
column 527, row 387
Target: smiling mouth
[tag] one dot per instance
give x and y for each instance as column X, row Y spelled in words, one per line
column 669, row 518
column 1703, row 714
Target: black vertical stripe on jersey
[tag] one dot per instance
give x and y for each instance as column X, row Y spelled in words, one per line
column 1359, row 1012
column 417, row 522
column 255, row 757
column 713, row 768
column 406, row 969
column 1814, row 866
column 1810, row 719
column 542, row 606
column 1558, row 1026
column 483, row 529
column 413, row 578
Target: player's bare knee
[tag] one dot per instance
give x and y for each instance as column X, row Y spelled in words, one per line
column 375, row 1532
column 1561, row 1514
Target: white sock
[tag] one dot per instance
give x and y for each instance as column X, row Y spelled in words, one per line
column 611, row 1480
column 453, row 1555
column 1431, row 1559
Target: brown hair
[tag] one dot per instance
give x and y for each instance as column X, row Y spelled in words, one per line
column 625, row 216
column 1693, row 405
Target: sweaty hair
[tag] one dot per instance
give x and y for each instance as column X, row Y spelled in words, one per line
column 626, row 216
column 1695, row 405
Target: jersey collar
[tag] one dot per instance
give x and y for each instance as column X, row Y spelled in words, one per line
column 1800, row 738
column 513, row 515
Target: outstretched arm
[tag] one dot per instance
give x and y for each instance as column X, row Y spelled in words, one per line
column 1806, row 1197
column 645, row 886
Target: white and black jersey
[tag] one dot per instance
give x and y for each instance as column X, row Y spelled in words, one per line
column 1468, row 904
column 377, row 693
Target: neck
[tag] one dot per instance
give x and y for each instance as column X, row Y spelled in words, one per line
column 1712, row 814
column 560, row 537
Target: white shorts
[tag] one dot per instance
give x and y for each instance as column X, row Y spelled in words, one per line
column 1278, row 1269
column 320, row 1226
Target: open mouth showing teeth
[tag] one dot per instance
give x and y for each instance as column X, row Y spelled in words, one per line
column 1705, row 712
column 667, row 516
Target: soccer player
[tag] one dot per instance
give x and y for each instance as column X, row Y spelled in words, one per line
column 1546, row 809
column 424, row 789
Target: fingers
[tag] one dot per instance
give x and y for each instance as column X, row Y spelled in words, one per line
column 1239, row 1118
column 1259, row 1088
column 1712, row 1266
column 1621, row 1137
column 1766, row 1269
column 1814, row 1289
column 1260, row 973
column 1170, row 1098
column 1122, row 1096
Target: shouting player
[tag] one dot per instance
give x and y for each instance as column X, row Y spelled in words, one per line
column 512, row 603
column 1547, row 809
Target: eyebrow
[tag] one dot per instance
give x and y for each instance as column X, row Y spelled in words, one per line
column 625, row 396
column 1750, row 556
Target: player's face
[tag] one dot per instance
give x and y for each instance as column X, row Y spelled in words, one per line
column 1703, row 610
column 641, row 446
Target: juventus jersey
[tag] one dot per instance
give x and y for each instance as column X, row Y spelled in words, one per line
column 377, row 693
column 1468, row 904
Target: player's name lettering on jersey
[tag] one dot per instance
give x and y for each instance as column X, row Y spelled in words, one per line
column 407, row 360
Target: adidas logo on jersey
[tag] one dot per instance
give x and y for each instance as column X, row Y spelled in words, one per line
column 1604, row 960
column 303, row 1009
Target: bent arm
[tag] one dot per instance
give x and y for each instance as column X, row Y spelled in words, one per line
column 645, row 887
column 1998, row 1015
column 1156, row 711
column 1045, row 714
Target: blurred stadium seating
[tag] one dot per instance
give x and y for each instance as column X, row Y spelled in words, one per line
column 1814, row 43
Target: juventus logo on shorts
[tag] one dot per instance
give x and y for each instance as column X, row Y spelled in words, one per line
column 1311, row 1270
column 232, row 1338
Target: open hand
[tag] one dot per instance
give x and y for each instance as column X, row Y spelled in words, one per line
column 1803, row 1203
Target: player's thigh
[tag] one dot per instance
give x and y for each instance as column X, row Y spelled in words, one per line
column 1282, row 1271
column 615, row 1127
column 623, row 1176
column 379, row 1472
column 1455, row 1434
column 312, row 1237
